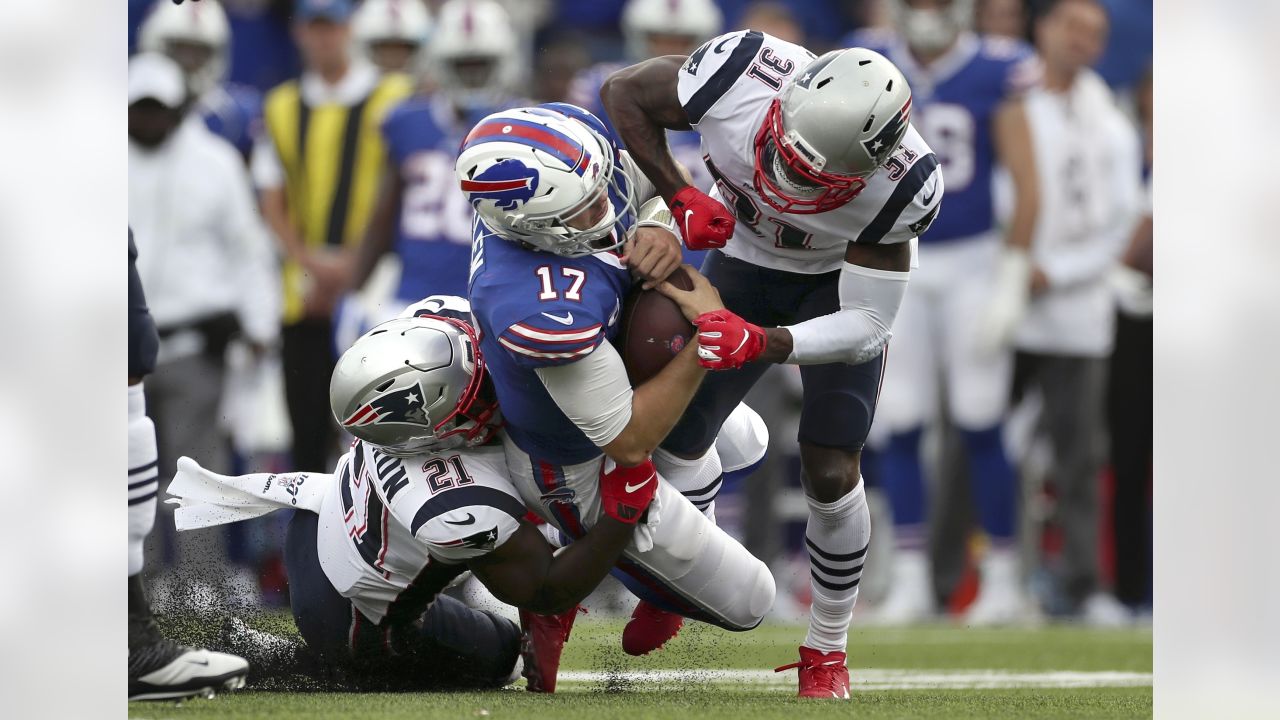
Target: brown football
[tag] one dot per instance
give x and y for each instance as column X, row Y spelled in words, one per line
column 653, row 329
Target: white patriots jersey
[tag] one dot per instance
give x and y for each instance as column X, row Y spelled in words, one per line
column 726, row 88
column 399, row 529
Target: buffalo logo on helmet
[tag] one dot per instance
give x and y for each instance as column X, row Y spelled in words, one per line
column 887, row 140
column 404, row 405
column 508, row 182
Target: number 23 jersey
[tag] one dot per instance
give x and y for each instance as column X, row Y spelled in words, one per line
column 726, row 87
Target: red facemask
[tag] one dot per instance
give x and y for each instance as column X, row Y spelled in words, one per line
column 475, row 405
column 835, row 189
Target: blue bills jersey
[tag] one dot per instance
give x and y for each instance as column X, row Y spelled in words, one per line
column 433, row 234
column 234, row 113
column 686, row 147
column 954, row 102
column 535, row 309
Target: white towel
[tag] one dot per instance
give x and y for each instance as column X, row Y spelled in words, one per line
column 205, row 498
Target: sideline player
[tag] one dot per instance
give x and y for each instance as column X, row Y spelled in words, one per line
column 159, row 668
column 421, row 497
column 966, row 297
column 419, row 213
column 829, row 184
column 555, row 197
column 391, row 33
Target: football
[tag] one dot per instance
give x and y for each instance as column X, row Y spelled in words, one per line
column 653, row 329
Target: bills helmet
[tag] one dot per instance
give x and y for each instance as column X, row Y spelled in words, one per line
column 933, row 29
column 196, row 35
column 474, row 54
column 547, row 176
column 696, row 20
column 414, row 385
column 403, row 23
column 834, row 123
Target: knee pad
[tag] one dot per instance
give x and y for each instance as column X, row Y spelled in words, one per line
column 743, row 439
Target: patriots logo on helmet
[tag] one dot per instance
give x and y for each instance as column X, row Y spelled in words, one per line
column 509, row 182
column 399, row 406
column 890, row 136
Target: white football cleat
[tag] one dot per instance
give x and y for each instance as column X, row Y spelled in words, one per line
column 1001, row 600
column 910, row 597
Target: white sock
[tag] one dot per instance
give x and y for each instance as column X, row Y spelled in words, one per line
column 699, row 480
column 837, row 537
column 144, row 476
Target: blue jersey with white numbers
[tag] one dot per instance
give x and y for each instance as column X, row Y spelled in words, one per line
column 686, row 147
column 953, row 105
column 234, row 113
column 433, row 233
column 536, row 309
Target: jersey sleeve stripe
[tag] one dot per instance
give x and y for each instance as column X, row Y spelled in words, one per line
column 561, row 355
column 462, row 497
column 724, row 77
column 555, row 336
column 902, row 196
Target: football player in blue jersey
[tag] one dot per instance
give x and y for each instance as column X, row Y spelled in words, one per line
column 198, row 38
column 555, row 200
column 471, row 63
column 966, row 297
column 653, row 28
column 391, row 33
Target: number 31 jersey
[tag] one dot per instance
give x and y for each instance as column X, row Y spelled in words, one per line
column 398, row 530
column 726, row 87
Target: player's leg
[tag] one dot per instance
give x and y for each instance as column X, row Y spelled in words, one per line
column 158, row 667
column 978, row 385
column 307, row 356
column 907, row 403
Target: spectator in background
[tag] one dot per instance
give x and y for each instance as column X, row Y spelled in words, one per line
column 773, row 18
column 198, row 38
column 317, row 168
column 962, row 306
column 1088, row 161
column 1129, row 395
column 1001, row 18
column 420, row 214
column 206, row 260
column 392, row 33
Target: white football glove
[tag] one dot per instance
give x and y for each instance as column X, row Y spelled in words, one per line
column 1008, row 303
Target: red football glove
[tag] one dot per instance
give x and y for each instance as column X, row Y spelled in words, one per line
column 726, row 341
column 703, row 221
column 625, row 492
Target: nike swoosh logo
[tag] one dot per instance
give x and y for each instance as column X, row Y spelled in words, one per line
column 632, row 488
column 687, row 214
column 719, row 47
column 566, row 320
column 470, row 519
column 745, row 337
column 198, row 662
column 929, row 199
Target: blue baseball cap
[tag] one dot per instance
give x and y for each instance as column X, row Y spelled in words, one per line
column 332, row 10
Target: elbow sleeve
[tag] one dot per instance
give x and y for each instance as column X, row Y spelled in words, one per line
column 858, row 331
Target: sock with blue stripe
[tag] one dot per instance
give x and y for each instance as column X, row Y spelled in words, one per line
column 699, row 480
column 144, row 476
column 837, row 538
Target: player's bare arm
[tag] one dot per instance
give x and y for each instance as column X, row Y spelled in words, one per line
column 379, row 235
column 1015, row 153
column 642, row 103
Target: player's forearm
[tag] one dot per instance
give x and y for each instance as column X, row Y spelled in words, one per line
column 643, row 134
column 656, row 406
column 856, row 333
column 578, row 569
column 1022, row 224
column 378, row 239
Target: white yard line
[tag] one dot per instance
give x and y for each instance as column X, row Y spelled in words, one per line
column 867, row 679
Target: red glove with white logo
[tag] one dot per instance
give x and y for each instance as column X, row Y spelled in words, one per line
column 625, row 492
column 726, row 341
column 704, row 222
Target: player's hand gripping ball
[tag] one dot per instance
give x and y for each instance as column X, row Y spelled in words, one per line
column 726, row 341
column 704, row 222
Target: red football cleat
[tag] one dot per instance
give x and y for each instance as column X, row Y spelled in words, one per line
column 541, row 644
column 648, row 629
column 822, row 675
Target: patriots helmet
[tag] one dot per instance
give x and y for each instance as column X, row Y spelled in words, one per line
column 834, row 123
column 415, row 384
column 197, row 36
column 547, row 177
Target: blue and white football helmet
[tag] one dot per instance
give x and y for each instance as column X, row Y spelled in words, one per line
column 540, row 176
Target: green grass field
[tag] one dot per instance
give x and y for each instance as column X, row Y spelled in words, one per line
column 939, row 671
